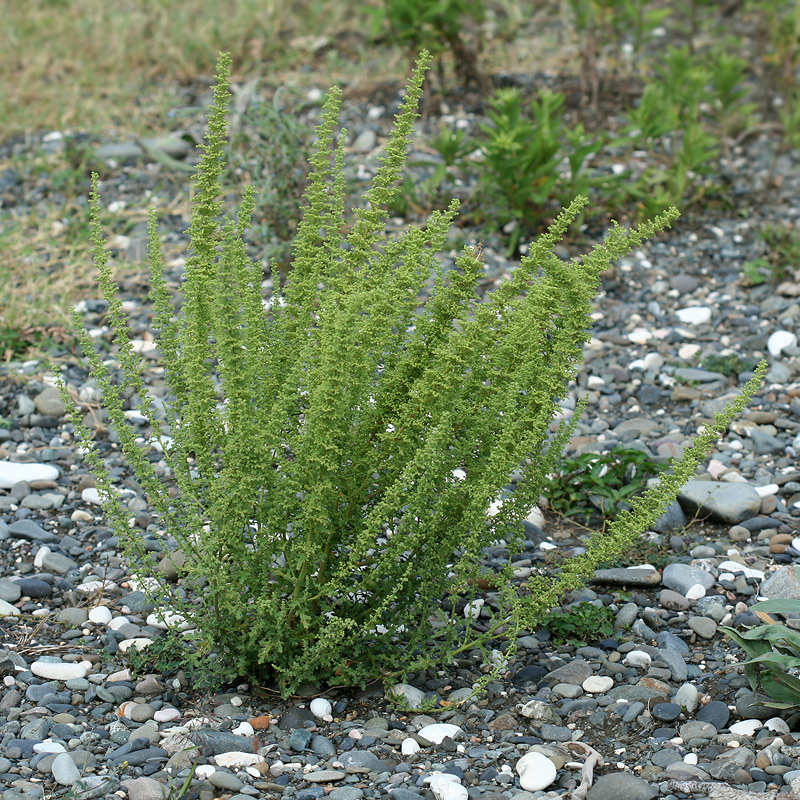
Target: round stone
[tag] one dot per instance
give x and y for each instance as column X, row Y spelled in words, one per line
column 694, row 315
column 100, row 615
column 666, row 712
column 447, row 787
column 64, row 769
column 637, row 658
column 404, row 692
column 621, row 786
column 320, row 707
column 703, row 627
column 697, row 730
column 779, row 341
column 536, row 771
column 409, row 747
column 716, row 713
column 688, row 697
column 225, row 780
column 597, row 684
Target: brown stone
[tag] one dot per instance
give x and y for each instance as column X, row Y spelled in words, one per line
column 768, row 504
column 761, row 417
column 504, row 722
column 40, row 485
column 260, row 723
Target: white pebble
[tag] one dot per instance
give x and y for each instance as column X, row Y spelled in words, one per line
column 48, row 746
column 447, row 787
column 139, row 644
column 96, row 586
column 696, row 592
column 640, row 336
column 166, row 714
column 91, row 495
column 238, row 759
column 437, row 732
column 100, row 615
column 747, row 727
column 716, row 468
column 38, row 559
column 535, row 517
column 12, row 473
column 777, row 725
column 690, row 758
column 320, row 707
column 687, row 352
column 243, row 729
column 58, row 670
column 597, row 683
column 409, row 747
column 472, row 610
column 768, row 490
column 171, row 619
column 204, row 771
column 536, row 771
column 637, row 658
column 779, row 341
column 694, row 315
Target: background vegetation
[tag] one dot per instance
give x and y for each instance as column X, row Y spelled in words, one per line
column 632, row 102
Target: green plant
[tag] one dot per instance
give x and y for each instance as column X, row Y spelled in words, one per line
column 773, row 653
column 452, row 145
column 270, row 151
column 437, row 25
column 337, row 465
column 591, row 483
column 730, row 364
column 789, row 114
column 521, row 175
column 673, row 126
column 581, row 623
column 782, row 259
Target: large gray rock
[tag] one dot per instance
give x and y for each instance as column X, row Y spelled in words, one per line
column 673, row 519
column 681, row 578
column 725, row 502
column 575, row 673
column 782, row 584
column 621, row 786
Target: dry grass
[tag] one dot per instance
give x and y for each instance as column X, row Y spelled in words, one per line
column 116, row 69
column 87, row 64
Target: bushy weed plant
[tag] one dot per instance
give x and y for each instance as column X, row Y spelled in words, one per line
column 591, row 485
column 773, row 653
column 580, row 623
column 532, row 160
column 338, row 461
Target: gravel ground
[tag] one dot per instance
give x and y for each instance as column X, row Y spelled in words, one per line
column 662, row 707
